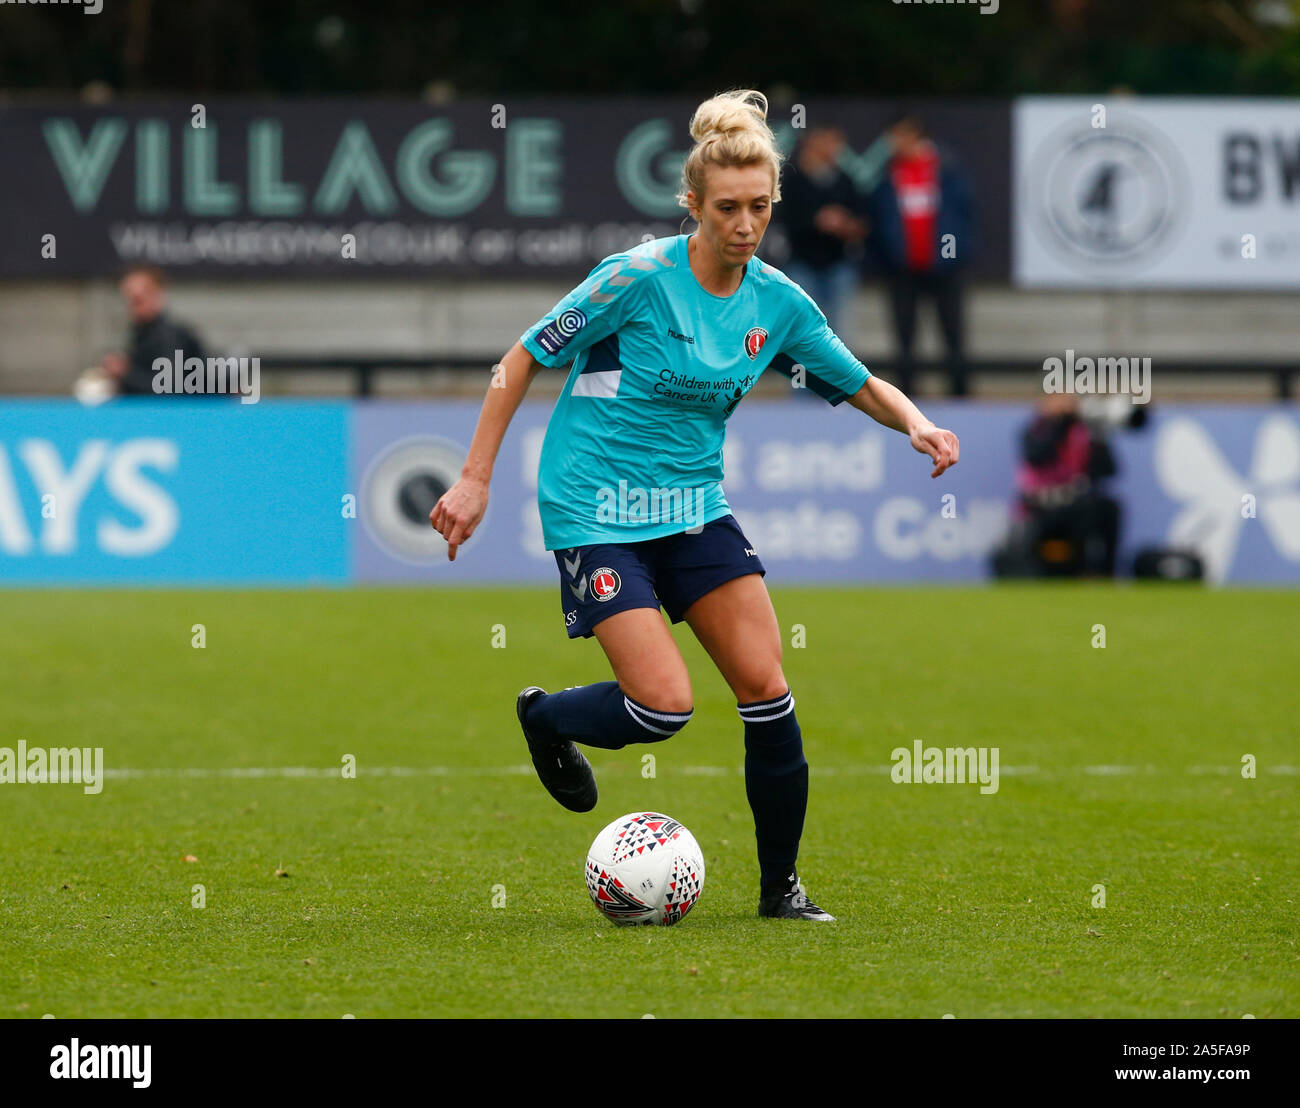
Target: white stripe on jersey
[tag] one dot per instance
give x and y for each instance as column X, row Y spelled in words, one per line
column 598, row 384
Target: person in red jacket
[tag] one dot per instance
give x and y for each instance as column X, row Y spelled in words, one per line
column 922, row 233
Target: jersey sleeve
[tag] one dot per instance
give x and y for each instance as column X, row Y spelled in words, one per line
column 830, row 369
column 593, row 311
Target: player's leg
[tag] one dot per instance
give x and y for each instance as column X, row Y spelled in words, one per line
column 842, row 284
column 736, row 623
column 645, row 660
column 946, row 289
column 902, row 303
column 608, row 592
column 648, row 701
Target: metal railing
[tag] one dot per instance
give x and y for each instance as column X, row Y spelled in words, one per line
column 365, row 366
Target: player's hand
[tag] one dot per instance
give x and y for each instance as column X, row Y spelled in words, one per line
column 458, row 512
column 941, row 445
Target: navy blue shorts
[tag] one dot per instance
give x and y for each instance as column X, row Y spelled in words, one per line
column 599, row 580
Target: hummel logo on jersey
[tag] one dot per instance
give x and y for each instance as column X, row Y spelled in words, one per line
column 579, row 590
column 750, row 552
column 684, row 338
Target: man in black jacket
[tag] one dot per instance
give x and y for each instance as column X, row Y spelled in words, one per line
column 821, row 211
column 154, row 334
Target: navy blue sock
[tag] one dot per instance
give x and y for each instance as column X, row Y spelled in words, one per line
column 776, row 782
column 601, row 715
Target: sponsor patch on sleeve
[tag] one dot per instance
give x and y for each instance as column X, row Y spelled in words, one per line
column 555, row 335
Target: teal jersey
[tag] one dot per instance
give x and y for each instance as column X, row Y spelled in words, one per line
column 633, row 449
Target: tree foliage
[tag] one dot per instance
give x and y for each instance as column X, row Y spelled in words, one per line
column 521, row 47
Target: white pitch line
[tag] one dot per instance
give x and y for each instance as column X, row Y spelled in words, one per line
column 326, row 771
column 688, row 771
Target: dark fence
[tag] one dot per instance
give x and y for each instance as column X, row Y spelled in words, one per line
column 363, row 367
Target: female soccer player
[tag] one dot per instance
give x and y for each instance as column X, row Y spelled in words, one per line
column 665, row 339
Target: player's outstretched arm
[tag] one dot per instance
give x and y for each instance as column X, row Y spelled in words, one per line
column 888, row 405
column 461, row 507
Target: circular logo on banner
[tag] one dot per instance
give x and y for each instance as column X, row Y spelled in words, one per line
column 605, row 584
column 1107, row 199
column 399, row 490
column 754, row 339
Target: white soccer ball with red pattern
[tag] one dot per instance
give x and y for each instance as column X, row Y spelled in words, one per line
column 645, row 868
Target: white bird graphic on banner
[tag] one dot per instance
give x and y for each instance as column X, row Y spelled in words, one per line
column 1191, row 469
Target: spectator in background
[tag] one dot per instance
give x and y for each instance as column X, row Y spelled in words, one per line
column 154, row 334
column 921, row 197
column 821, row 211
column 1063, row 523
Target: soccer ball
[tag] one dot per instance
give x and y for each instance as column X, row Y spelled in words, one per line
column 645, row 868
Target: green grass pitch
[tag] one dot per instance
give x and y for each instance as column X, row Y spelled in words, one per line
column 325, row 895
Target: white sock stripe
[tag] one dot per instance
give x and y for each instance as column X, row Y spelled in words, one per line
column 765, row 719
column 656, row 730
column 670, row 716
column 637, row 712
column 765, row 705
column 770, row 715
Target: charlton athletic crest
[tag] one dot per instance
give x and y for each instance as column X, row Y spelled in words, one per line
column 605, row 584
column 754, row 339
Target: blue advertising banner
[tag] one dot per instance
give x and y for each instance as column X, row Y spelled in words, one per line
column 1223, row 481
column 143, row 492
column 828, row 495
column 405, row 457
column 280, row 492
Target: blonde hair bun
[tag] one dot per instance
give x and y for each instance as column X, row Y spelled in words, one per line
column 728, row 113
column 730, row 129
